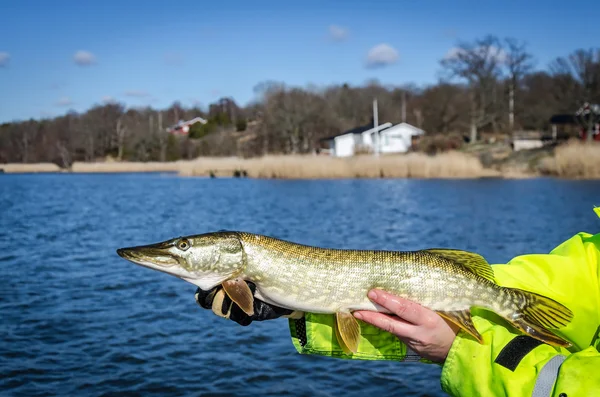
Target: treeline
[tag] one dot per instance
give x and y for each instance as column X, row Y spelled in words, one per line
column 488, row 85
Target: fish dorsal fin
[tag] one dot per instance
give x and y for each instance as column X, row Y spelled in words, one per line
column 475, row 263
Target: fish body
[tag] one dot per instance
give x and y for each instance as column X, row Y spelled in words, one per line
column 325, row 280
column 321, row 280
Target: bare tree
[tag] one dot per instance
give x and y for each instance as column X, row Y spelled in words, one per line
column 579, row 74
column 162, row 138
column 28, row 136
column 477, row 63
column 121, row 131
column 519, row 62
column 283, row 119
column 445, row 108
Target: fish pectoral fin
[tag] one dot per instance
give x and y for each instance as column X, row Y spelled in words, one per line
column 462, row 318
column 473, row 262
column 239, row 292
column 347, row 331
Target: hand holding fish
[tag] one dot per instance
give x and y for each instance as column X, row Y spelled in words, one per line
column 421, row 329
column 221, row 304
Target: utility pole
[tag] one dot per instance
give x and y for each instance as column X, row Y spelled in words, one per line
column 376, row 127
column 403, row 106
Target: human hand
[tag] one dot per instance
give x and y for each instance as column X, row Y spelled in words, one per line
column 421, row 329
column 217, row 300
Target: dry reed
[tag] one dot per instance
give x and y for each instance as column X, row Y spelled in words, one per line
column 125, row 166
column 413, row 165
column 26, row 168
column 574, row 160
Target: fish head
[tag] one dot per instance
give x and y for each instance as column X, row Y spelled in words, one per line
column 205, row 260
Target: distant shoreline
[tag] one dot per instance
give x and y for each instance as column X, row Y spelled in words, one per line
column 452, row 165
column 571, row 161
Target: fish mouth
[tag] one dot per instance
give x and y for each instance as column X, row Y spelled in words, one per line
column 155, row 256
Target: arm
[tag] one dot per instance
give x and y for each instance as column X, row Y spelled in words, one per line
column 514, row 365
column 508, row 363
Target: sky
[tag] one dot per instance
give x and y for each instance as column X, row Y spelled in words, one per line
column 63, row 55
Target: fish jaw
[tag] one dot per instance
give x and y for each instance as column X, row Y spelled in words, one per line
column 155, row 256
column 204, row 260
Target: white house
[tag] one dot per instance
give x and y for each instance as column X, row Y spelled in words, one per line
column 392, row 139
column 399, row 138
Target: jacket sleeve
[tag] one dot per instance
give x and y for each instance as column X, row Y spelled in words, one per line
column 512, row 364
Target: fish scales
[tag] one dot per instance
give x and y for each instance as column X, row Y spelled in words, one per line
column 322, row 280
column 325, row 280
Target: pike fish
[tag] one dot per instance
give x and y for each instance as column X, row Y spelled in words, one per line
column 325, row 280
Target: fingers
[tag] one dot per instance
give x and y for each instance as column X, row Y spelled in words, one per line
column 218, row 304
column 388, row 323
column 205, row 298
column 404, row 309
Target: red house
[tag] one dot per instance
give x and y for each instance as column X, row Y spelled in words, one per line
column 183, row 127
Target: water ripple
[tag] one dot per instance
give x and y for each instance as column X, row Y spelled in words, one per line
column 77, row 319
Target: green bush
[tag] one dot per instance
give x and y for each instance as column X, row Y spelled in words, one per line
column 241, row 125
column 200, row 130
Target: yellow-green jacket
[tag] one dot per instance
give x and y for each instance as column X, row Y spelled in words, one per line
column 507, row 363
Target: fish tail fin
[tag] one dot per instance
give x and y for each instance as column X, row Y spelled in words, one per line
column 536, row 314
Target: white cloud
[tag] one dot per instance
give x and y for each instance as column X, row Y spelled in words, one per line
column 108, row 99
column 84, row 58
column 453, row 53
column 382, row 55
column 137, row 93
column 4, row 59
column 499, row 54
column 338, row 33
column 64, row 101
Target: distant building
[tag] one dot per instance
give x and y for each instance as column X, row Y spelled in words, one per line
column 392, row 139
column 527, row 140
column 183, row 127
column 577, row 123
column 399, row 138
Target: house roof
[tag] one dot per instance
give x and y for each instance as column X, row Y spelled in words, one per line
column 182, row 123
column 397, row 127
column 563, row 119
column 358, row 130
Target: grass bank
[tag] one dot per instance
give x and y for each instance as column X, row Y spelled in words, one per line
column 96, row 167
column 22, row 168
column 574, row 160
column 413, row 165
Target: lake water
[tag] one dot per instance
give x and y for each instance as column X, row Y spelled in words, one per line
column 78, row 320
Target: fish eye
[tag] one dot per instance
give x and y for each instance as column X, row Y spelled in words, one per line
column 183, row 244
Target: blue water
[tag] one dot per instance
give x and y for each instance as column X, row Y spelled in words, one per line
column 78, row 320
